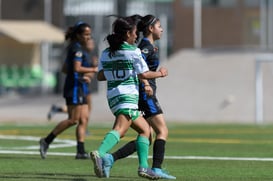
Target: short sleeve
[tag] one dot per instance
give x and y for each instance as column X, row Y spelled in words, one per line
column 139, row 63
column 77, row 54
column 100, row 65
column 101, row 59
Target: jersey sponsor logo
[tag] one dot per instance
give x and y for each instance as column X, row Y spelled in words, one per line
column 78, row 54
column 145, row 50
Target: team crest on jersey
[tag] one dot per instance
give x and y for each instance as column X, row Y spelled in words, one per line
column 145, row 50
column 78, row 54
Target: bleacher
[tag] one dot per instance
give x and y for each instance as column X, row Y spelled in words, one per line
column 21, row 79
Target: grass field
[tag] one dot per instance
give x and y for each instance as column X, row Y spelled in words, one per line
column 194, row 152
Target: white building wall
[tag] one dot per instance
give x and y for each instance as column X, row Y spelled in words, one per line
column 213, row 86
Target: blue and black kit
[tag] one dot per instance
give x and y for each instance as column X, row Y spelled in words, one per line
column 75, row 88
column 149, row 105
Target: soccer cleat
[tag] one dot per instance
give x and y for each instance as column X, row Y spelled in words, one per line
column 51, row 112
column 147, row 173
column 98, row 169
column 43, row 148
column 82, row 156
column 108, row 162
column 163, row 174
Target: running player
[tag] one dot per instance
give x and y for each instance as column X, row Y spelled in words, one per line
column 92, row 62
column 74, row 94
column 148, row 103
column 121, row 65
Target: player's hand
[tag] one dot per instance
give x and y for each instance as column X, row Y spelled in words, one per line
column 87, row 79
column 164, row 71
column 148, row 90
column 95, row 61
column 95, row 69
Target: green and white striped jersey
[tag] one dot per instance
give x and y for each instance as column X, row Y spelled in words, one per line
column 120, row 71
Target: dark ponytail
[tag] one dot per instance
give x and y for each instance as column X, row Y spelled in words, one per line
column 145, row 22
column 120, row 28
column 114, row 41
column 136, row 18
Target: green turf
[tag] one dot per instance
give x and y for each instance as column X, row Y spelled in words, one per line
column 209, row 140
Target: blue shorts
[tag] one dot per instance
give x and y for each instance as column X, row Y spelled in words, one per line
column 149, row 106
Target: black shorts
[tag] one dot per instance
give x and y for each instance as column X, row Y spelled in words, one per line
column 149, row 107
column 76, row 100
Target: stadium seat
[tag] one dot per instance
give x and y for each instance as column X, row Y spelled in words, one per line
column 9, row 76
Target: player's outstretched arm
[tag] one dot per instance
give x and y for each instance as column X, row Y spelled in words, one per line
column 163, row 72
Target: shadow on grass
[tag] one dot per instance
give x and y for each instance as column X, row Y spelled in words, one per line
column 61, row 177
column 44, row 176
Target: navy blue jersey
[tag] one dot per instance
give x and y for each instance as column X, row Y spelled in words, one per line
column 151, row 57
column 74, row 84
column 149, row 105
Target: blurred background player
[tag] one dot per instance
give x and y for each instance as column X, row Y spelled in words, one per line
column 151, row 28
column 92, row 62
column 77, row 75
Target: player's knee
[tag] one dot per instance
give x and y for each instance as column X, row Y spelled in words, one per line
column 146, row 133
column 83, row 122
column 73, row 122
column 162, row 132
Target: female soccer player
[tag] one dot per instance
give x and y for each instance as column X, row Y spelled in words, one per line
column 92, row 62
column 122, row 65
column 151, row 28
column 74, row 93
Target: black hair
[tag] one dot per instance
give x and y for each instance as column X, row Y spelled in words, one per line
column 145, row 22
column 136, row 18
column 120, row 28
column 77, row 29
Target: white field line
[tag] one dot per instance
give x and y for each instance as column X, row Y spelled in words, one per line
column 134, row 156
column 34, row 153
column 58, row 143
column 214, row 158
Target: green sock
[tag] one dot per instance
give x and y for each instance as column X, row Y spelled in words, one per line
column 142, row 147
column 109, row 141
